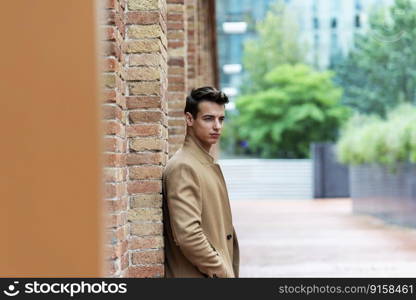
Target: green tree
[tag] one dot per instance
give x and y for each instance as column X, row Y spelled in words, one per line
column 368, row 139
column 380, row 72
column 276, row 43
column 297, row 106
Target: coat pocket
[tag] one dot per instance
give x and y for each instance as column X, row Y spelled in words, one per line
column 222, row 260
column 213, row 248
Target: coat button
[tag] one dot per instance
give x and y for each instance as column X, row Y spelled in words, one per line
column 229, row 236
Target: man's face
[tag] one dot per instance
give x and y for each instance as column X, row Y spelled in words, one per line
column 207, row 125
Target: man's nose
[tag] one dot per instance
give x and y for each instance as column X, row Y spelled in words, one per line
column 217, row 124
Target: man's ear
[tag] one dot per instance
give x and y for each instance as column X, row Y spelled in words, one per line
column 189, row 119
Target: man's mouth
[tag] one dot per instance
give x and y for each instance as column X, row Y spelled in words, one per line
column 215, row 135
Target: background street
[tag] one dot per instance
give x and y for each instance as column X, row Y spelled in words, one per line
column 319, row 238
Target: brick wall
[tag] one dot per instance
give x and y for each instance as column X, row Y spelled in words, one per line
column 115, row 144
column 177, row 72
column 192, row 58
column 145, row 44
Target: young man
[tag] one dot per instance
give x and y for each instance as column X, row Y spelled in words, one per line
column 200, row 239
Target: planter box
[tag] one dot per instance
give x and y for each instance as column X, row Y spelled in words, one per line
column 330, row 178
column 381, row 192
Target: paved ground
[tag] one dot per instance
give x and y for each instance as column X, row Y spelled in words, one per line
column 319, row 238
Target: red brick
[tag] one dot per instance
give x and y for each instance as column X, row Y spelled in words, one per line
column 176, row 122
column 112, row 127
column 109, row 64
column 121, row 101
column 147, row 144
column 143, row 102
column 177, row 113
column 110, row 268
column 146, row 242
column 176, row 70
column 114, row 160
column 146, row 88
column 176, row 80
column 112, row 112
column 145, row 116
column 139, row 186
column 114, row 174
column 145, row 158
column 124, row 261
column 114, row 144
column 115, row 235
column 107, row 17
column 108, row 48
column 144, row 130
column 176, row 35
column 109, row 4
column 177, row 105
column 176, row 26
column 116, row 220
column 121, row 233
column 146, row 201
column 121, row 27
column 175, row 17
column 143, row 18
column 116, row 251
column 114, row 190
column 117, row 52
column 180, row 62
column 177, row 131
column 145, row 172
column 142, row 73
column 114, row 206
column 121, row 85
column 177, row 87
column 145, row 59
column 147, row 257
column 146, row 271
column 109, row 34
column 191, row 49
column 176, row 44
column 109, row 95
column 109, row 252
column 146, row 229
column 176, row 139
column 176, row 96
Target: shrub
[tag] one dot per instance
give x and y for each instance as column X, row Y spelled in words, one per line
column 370, row 139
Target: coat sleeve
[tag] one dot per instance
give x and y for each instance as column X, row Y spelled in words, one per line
column 185, row 207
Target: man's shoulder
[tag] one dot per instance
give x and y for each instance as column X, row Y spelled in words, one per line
column 181, row 160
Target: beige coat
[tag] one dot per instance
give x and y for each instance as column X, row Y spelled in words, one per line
column 200, row 240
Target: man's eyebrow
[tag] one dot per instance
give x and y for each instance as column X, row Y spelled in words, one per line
column 208, row 115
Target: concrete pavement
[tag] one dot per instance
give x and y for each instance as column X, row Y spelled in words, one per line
column 319, row 238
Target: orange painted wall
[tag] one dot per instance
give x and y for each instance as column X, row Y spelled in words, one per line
column 50, row 215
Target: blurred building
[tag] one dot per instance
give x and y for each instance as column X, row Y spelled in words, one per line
column 236, row 20
column 326, row 26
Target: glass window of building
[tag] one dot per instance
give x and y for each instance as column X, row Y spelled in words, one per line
column 357, row 21
column 334, row 23
column 315, row 23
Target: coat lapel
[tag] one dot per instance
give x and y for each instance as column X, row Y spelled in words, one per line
column 192, row 145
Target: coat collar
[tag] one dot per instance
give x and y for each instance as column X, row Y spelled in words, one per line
column 192, row 144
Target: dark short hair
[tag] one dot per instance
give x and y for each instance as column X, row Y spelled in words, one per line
column 206, row 93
